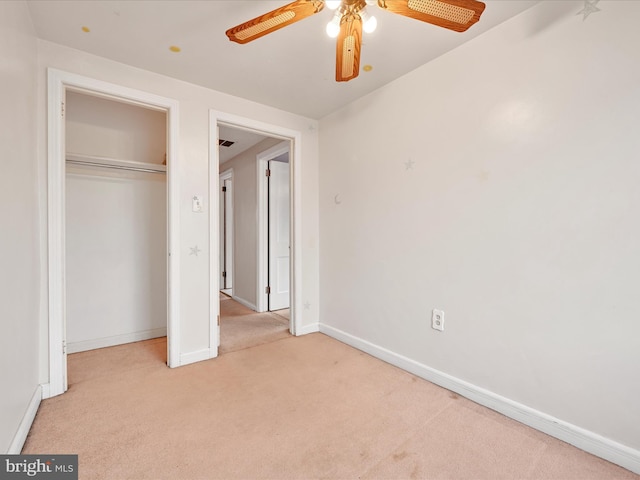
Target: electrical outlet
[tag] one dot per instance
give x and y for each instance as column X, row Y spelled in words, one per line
column 437, row 320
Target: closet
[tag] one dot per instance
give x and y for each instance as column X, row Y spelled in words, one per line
column 116, row 222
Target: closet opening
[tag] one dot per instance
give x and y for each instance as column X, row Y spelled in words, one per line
column 116, row 248
column 61, row 84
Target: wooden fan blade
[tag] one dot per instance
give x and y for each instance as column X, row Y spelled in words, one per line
column 456, row 15
column 274, row 20
column 348, row 49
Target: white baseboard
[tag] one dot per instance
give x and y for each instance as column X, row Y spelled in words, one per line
column 306, row 329
column 46, row 390
column 245, row 303
column 25, row 424
column 197, row 356
column 584, row 439
column 75, row 347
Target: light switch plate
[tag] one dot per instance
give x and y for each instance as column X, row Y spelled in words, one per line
column 197, row 203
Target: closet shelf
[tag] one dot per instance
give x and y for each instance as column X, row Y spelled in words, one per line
column 105, row 162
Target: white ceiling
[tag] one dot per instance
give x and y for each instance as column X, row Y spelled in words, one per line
column 292, row 69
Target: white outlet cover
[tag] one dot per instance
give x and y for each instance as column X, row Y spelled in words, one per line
column 437, row 320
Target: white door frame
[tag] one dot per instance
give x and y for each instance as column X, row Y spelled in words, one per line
column 58, row 82
column 294, row 139
column 228, row 175
column 263, row 158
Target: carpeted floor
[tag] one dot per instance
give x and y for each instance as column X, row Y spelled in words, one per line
column 296, row 408
column 241, row 327
column 284, row 313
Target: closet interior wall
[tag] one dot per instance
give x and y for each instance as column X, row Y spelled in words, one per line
column 116, row 223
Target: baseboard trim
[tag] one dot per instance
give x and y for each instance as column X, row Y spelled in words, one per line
column 25, row 424
column 307, row 329
column 197, row 356
column 586, row 440
column 75, row 347
column 46, row 390
column 245, row 303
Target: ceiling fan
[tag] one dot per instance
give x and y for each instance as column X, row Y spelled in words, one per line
column 351, row 17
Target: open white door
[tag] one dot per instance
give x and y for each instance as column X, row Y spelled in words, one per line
column 226, row 232
column 279, row 252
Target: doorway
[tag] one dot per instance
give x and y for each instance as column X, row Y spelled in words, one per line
column 59, row 83
column 242, row 324
column 115, row 223
column 250, row 291
column 274, row 206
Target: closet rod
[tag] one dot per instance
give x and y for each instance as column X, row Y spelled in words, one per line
column 115, row 167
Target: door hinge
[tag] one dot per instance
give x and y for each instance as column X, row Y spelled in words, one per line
column 62, row 109
column 268, row 172
column 64, row 347
column 218, row 320
column 268, row 290
column 224, row 189
column 224, row 274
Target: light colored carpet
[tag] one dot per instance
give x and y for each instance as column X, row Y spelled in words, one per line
column 298, row 408
column 284, row 313
column 241, row 327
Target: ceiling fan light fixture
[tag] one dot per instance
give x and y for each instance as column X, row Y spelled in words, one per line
column 333, row 27
column 369, row 22
column 350, row 19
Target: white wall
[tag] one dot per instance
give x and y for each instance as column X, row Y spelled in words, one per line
column 19, row 248
column 116, row 228
column 116, row 257
column 245, row 213
column 500, row 184
column 194, row 105
column 106, row 128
